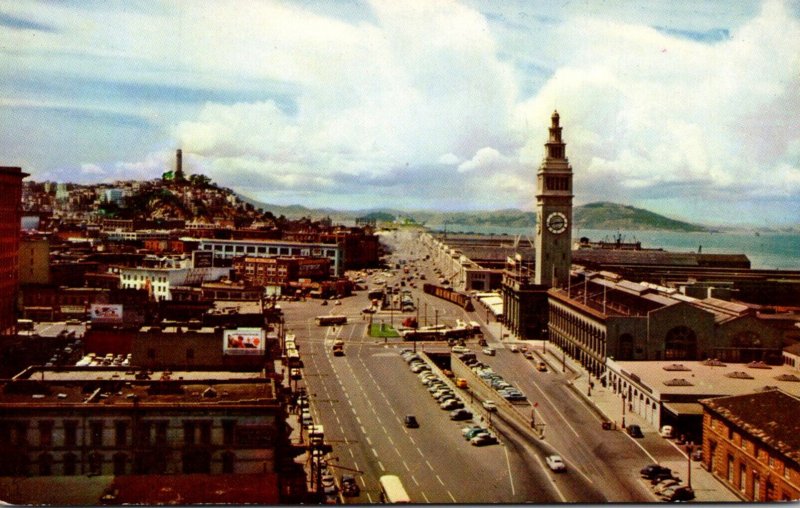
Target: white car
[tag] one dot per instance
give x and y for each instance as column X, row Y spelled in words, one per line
column 488, row 351
column 489, row 405
column 460, row 349
column 513, row 348
column 556, row 463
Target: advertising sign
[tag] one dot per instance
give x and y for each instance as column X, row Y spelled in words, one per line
column 243, row 341
column 105, row 313
column 202, row 259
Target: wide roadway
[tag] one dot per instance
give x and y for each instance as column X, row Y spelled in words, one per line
column 361, row 399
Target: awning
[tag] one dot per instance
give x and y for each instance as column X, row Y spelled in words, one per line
column 684, row 408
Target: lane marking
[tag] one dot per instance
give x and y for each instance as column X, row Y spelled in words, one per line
column 510, row 479
column 415, row 480
column 381, row 465
column 440, row 480
column 451, row 496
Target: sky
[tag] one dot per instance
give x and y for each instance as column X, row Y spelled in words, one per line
column 689, row 108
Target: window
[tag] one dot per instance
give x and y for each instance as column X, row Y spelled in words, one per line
column 730, row 469
column 161, row 433
column 121, row 433
column 45, row 464
column 742, row 478
column 45, row 434
column 228, row 432
column 70, row 461
column 151, row 354
column 188, row 433
column 70, row 433
column 228, row 462
column 120, row 460
column 96, row 433
column 95, row 463
column 144, row 434
column 205, row 432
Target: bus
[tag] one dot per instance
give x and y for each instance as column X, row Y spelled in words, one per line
column 392, row 490
column 293, row 358
column 331, row 320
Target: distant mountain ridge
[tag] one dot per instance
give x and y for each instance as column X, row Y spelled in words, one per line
column 599, row 215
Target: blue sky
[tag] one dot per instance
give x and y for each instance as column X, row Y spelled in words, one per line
column 689, row 109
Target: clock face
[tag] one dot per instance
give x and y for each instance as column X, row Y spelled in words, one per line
column 556, row 223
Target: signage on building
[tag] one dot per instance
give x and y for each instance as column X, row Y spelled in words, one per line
column 202, row 259
column 105, row 313
column 243, row 341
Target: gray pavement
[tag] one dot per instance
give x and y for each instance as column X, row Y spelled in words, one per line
column 707, row 488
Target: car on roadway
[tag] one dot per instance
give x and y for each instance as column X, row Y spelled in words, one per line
column 528, row 355
column 667, row 432
column 295, row 374
column 460, row 349
column 488, row 351
column 349, row 486
column 513, row 348
column 483, row 439
column 460, row 414
column 684, row 493
column 650, row 470
column 541, row 367
column 411, row 422
column 555, row 463
column 635, row 431
column 666, row 483
column 489, row 405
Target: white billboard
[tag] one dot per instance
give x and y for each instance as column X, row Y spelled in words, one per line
column 105, row 313
column 243, row 341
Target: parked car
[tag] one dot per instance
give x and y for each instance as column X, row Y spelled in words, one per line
column 460, row 414
column 489, row 405
column 411, row 422
column 666, row 483
column 681, row 494
column 650, row 470
column 470, row 432
column 635, row 431
column 451, row 404
column 556, row 463
column 483, row 439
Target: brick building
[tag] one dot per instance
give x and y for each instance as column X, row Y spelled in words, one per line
column 10, row 216
column 751, row 442
column 280, row 271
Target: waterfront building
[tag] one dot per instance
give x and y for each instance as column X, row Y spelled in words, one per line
column 229, row 249
column 751, row 443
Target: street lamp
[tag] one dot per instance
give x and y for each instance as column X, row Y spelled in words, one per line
column 689, row 450
column 623, row 410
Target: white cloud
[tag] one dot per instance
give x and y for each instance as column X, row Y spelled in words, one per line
column 447, row 102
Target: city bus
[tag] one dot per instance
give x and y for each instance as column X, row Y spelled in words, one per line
column 392, row 490
column 293, row 358
column 331, row 320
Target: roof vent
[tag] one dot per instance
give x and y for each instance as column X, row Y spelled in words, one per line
column 677, row 382
column 209, row 392
column 739, row 375
column 676, row 366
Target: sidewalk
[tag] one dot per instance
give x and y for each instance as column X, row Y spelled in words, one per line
column 609, row 406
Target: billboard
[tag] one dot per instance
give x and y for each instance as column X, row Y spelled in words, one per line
column 243, row 341
column 202, row 259
column 105, row 313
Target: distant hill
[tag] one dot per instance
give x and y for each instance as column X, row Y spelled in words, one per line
column 604, row 215
column 600, row 215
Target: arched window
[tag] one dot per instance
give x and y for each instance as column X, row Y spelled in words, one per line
column 625, row 350
column 680, row 344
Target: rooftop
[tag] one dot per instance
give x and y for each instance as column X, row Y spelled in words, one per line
column 673, row 379
column 770, row 415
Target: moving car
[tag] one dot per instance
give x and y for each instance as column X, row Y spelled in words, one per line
column 513, row 348
column 528, row 355
column 489, row 405
column 556, row 463
column 635, row 431
column 349, row 486
column 667, row 431
column 488, row 351
column 411, row 422
column 541, row 367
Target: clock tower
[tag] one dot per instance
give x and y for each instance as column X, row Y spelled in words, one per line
column 554, row 212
